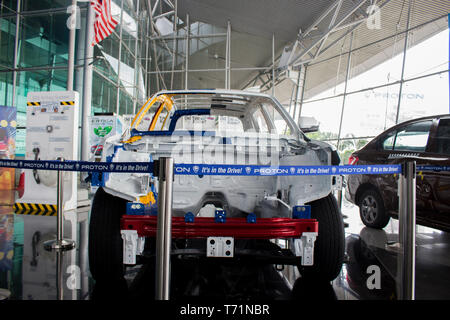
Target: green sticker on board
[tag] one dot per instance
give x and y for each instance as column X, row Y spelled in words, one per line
column 101, row 132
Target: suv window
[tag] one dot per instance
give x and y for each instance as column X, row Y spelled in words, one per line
column 443, row 137
column 413, row 137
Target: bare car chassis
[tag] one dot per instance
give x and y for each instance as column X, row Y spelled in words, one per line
column 218, row 216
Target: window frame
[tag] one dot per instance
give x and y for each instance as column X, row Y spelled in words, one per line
column 396, row 130
column 432, row 141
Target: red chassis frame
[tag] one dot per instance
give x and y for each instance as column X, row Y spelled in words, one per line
column 239, row 228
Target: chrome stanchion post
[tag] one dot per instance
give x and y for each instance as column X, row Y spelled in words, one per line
column 164, row 230
column 407, row 231
column 60, row 243
column 59, row 275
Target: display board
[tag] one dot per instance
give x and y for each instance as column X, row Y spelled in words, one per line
column 102, row 127
column 52, row 132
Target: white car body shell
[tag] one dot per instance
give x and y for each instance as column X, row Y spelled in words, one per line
column 238, row 195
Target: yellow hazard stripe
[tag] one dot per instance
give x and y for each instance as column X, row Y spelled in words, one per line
column 17, row 207
column 36, row 209
column 30, row 104
column 67, row 103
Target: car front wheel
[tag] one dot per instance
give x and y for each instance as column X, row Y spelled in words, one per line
column 329, row 247
column 372, row 211
column 105, row 241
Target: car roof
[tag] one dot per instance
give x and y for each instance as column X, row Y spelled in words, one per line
column 249, row 94
column 420, row 119
column 401, row 124
column 374, row 141
column 216, row 91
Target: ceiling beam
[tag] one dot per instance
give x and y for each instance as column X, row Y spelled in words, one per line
column 353, row 25
column 318, row 42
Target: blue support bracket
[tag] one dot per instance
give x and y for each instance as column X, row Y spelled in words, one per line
column 98, row 179
column 134, row 208
column 301, row 212
column 189, row 217
column 110, row 158
column 251, row 218
column 220, row 216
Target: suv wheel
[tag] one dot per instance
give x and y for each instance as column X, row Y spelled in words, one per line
column 372, row 211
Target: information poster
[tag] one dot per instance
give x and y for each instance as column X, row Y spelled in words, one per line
column 100, row 128
column 7, row 151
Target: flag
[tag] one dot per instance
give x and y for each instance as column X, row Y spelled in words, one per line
column 104, row 23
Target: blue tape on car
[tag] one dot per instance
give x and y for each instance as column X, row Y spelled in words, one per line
column 301, row 212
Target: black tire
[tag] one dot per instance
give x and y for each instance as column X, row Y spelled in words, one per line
column 329, row 248
column 105, row 242
column 372, row 211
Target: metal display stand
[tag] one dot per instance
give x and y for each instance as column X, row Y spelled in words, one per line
column 59, row 243
column 407, row 231
column 164, row 170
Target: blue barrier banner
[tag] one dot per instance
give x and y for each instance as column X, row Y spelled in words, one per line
column 249, row 170
column 211, row 169
column 433, row 168
column 82, row 166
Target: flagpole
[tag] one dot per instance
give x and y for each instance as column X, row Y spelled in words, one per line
column 87, row 82
column 71, row 61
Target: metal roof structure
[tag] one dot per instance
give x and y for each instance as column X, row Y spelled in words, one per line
column 270, row 40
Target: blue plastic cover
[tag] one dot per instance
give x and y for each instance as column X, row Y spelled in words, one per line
column 220, row 216
column 301, row 212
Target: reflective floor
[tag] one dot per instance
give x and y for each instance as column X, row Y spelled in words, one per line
column 28, row 272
